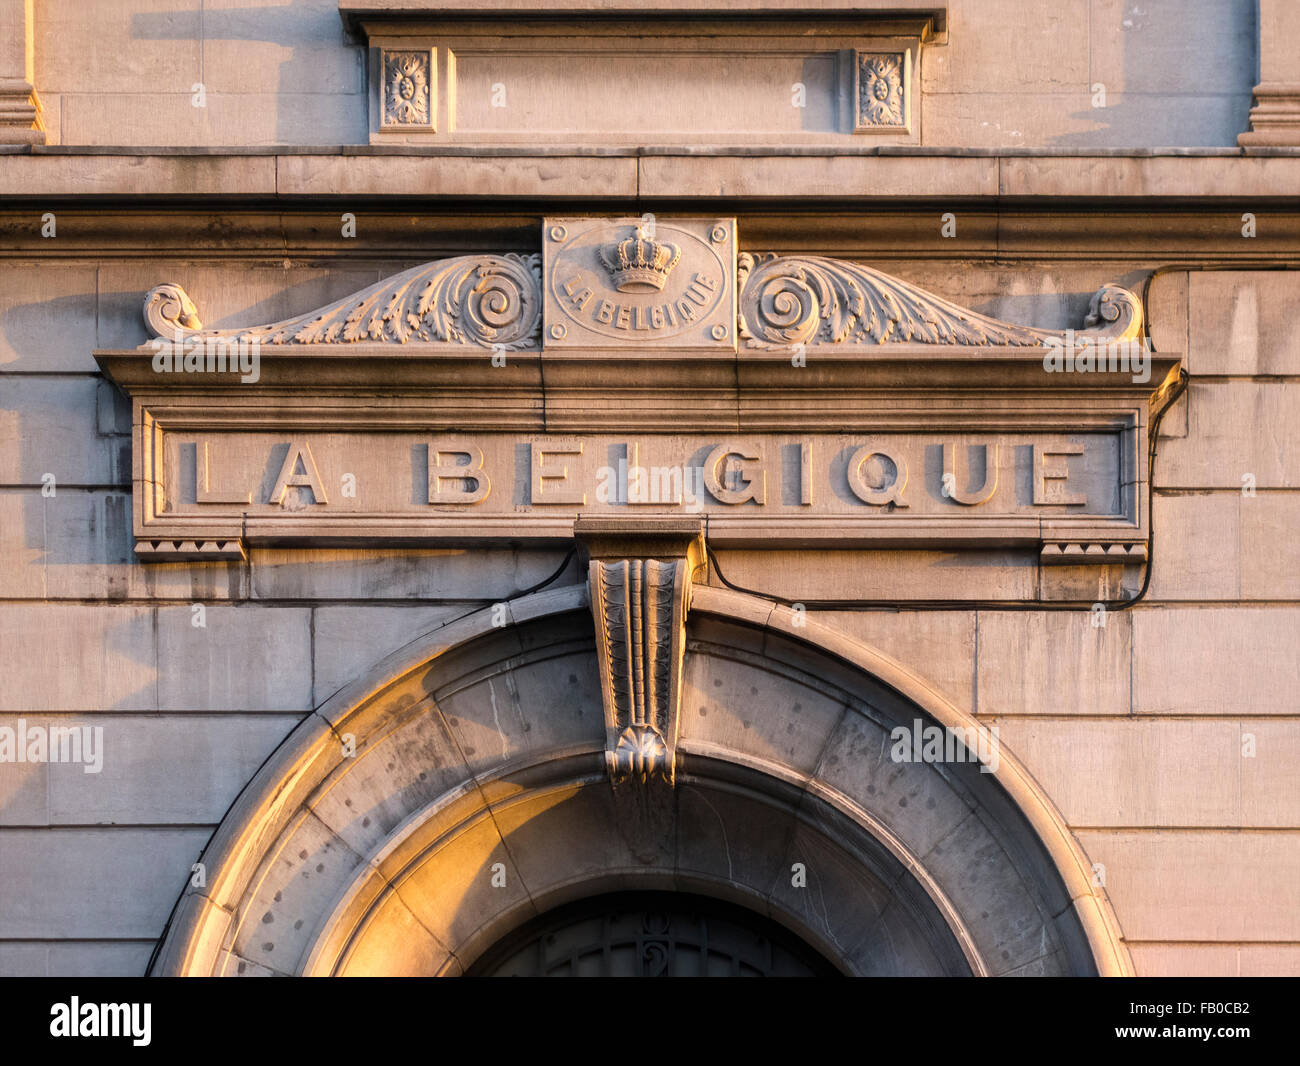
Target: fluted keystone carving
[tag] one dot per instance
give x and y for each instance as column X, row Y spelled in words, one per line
column 483, row 300
column 810, row 300
column 639, row 605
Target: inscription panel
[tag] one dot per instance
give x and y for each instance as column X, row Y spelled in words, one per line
column 646, row 281
column 865, row 487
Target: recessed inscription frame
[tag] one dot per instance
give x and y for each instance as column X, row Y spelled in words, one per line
column 374, row 413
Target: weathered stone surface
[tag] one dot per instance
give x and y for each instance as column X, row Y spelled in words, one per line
column 242, row 658
column 276, row 924
column 1054, row 663
column 134, row 876
column 1152, row 773
column 76, row 657
column 1233, row 886
column 379, row 574
column 883, row 575
column 299, row 48
column 77, row 545
column 50, row 426
column 1243, row 322
column 1198, row 552
column 939, row 645
column 1216, row 660
column 135, row 46
column 47, row 321
column 724, row 702
column 1270, row 551
column 1173, row 47
column 347, row 641
column 74, row 958
column 1235, row 429
column 208, row 758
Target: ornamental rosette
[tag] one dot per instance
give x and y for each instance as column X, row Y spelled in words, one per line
column 406, row 88
column 880, row 91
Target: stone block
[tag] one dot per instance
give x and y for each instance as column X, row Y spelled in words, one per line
column 938, row 646
column 1270, row 550
column 1235, row 429
column 914, row 801
column 301, row 47
column 225, row 119
column 50, row 426
column 1230, row 886
column 77, row 545
column 1159, row 47
column 349, row 641
column 883, row 575
column 76, row 657
column 47, row 316
column 248, row 658
column 488, row 576
column 276, row 923
column 1152, row 773
column 131, row 877
column 178, row 768
column 1245, row 322
column 1048, row 50
column 1198, row 546
column 126, row 45
column 75, row 958
column 1216, row 660
column 1055, row 663
column 733, row 702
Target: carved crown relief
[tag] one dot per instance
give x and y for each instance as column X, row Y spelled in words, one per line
column 602, row 283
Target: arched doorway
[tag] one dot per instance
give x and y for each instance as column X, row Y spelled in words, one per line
column 474, row 802
column 651, row 934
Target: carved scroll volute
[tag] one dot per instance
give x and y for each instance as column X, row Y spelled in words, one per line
column 639, row 602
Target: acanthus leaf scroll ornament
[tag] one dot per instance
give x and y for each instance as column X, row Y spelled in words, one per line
column 811, row 300
column 482, row 300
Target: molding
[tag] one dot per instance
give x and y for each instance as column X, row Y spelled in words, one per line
column 1275, row 114
column 22, row 119
column 924, row 16
column 767, row 175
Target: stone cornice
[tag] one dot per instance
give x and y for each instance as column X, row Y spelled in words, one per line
column 808, row 177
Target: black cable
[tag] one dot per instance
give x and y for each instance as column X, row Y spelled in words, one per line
column 543, row 583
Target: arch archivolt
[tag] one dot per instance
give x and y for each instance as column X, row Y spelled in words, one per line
column 479, row 796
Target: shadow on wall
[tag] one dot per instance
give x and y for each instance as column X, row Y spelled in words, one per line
column 295, row 58
column 1169, row 72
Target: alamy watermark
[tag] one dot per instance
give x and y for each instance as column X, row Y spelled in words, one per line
column 211, row 355
column 945, row 744
column 1072, row 356
column 56, row 743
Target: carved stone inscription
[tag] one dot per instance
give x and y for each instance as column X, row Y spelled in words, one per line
column 921, row 474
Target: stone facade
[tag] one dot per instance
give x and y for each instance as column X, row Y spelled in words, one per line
column 383, row 198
